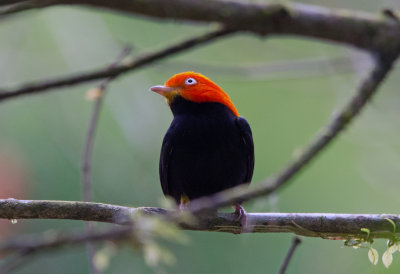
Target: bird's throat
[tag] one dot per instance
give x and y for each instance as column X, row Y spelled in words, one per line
column 171, row 96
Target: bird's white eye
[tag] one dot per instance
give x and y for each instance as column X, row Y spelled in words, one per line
column 190, row 81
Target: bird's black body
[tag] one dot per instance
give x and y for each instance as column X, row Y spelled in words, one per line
column 206, row 149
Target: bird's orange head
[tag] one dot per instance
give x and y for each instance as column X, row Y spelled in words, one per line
column 194, row 87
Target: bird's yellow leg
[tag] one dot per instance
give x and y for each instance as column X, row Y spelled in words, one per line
column 184, row 201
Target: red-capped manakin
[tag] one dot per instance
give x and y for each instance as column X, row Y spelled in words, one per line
column 208, row 147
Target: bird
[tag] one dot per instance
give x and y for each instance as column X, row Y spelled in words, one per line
column 208, row 147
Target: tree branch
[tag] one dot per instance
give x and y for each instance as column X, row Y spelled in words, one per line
column 30, row 244
column 46, row 85
column 26, row 246
column 363, row 30
column 88, row 148
column 22, row 6
column 378, row 35
column 295, row 243
column 324, row 225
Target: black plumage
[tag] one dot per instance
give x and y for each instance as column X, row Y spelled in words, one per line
column 206, row 149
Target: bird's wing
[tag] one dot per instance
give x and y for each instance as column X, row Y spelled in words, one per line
column 247, row 137
column 166, row 151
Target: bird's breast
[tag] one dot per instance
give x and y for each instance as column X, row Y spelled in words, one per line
column 207, row 153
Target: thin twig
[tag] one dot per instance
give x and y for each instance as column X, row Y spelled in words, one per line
column 23, row 6
column 88, row 148
column 324, row 137
column 295, row 243
column 48, row 85
column 27, row 246
column 14, row 261
column 91, row 251
column 51, row 240
column 284, row 69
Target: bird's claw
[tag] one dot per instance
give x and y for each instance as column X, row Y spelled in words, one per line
column 241, row 216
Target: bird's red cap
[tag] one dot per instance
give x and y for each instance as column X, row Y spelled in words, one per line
column 194, row 87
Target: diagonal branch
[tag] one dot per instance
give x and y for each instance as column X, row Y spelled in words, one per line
column 295, row 243
column 338, row 123
column 47, row 85
column 32, row 244
column 12, row 262
column 26, row 246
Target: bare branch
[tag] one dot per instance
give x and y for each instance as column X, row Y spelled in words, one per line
column 295, row 243
column 32, row 244
column 88, row 148
column 26, row 246
column 363, row 30
column 14, row 261
column 47, row 85
column 339, row 121
column 22, row 6
column 324, row 225
column 11, row 2
column 86, row 161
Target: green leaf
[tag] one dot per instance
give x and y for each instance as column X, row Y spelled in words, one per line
column 373, row 256
column 392, row 249
column 366, row 230
column 393, row 224
column 387, row 258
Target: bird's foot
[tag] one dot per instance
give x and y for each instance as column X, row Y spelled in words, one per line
column 241, row 216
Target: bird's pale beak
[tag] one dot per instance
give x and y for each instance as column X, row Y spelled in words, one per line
column 162, row 90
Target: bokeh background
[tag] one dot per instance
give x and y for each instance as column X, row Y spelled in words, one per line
column 286, row 87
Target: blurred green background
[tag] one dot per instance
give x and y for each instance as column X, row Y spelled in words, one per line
column 286, row 87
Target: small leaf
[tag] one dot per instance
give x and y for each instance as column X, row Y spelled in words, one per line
column 152, row 254
column 392, row 223
column 94, row 93
column 102, row 257
column 366, row 230
column 155, row 254
column 373, row 256
column 387, row 258
column 127, row 61
column 101, row 260
column 392, row 249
